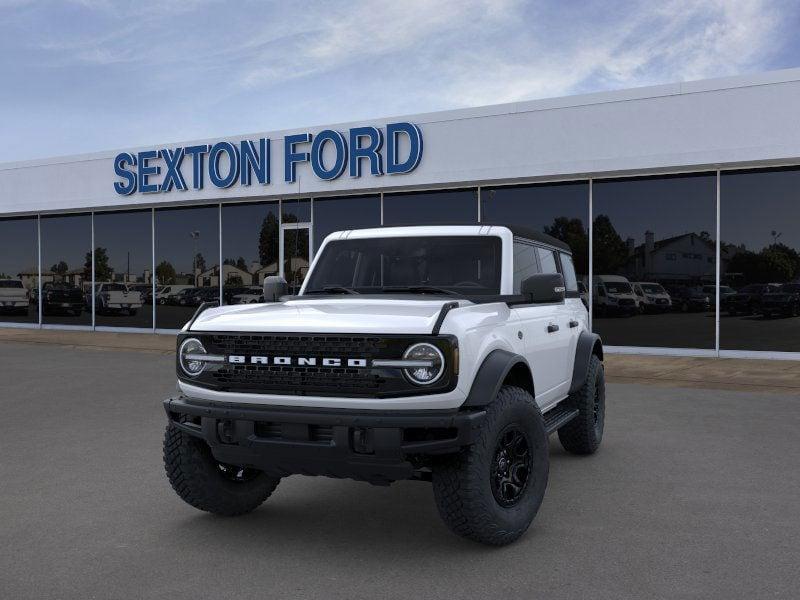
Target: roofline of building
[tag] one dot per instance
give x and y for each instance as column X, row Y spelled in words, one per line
column 546, row 104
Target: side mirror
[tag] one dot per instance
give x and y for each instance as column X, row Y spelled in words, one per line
column 544, row 288
column 274, row 287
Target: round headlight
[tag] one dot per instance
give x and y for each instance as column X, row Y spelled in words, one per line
column 425, row 353
column 192, row 367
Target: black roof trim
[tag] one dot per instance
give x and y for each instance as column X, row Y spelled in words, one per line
column 520, row 232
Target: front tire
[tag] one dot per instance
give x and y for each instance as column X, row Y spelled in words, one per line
column 208, row 485
column 491, row 491
column 584, row 433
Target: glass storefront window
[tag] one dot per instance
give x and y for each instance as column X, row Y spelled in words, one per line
column 296, row 210
column 654, row 261
column 450, row 207
column 760, row 260
column 19, row 270
column 250, row 242
column 352, row 212
column 67, row 269
column 557, row 209
column 296, row 256
column 123, row 266
column 187, row 262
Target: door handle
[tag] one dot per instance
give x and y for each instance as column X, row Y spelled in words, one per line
column 552, row 328
column 573, row 324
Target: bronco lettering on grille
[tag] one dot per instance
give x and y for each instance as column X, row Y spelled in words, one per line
column 301, row 361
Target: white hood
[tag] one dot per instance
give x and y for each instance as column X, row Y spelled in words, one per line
column 327, row 315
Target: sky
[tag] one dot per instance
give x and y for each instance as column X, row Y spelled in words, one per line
column 90, row 75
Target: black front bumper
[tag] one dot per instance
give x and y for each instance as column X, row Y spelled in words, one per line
column 374, row 446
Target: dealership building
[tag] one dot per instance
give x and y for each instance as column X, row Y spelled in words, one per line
column 681, row 204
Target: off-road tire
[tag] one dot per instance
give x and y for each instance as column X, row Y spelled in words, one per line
column 583, row 434
column 198, row 479
column 462, row 484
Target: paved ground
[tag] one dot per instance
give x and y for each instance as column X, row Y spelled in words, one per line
column 695, row 494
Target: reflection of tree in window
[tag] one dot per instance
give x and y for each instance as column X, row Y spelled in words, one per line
column 610, row 251
column 268, row 241
column 574, row 234
column 165, row 273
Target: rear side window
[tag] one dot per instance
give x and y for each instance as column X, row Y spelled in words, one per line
column 570, row 279
column 526, row 264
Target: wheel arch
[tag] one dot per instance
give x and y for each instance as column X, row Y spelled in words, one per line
column 589, row 344
column 500, row 367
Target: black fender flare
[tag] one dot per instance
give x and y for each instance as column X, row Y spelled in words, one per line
column 588, row 344
column 491, row 375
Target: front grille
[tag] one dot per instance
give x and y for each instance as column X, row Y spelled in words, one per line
column 305, row 379
column 249, row 377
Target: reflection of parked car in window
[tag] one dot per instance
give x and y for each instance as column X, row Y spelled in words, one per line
column 14, row 298
column 690, row 299
column 614, row 295
column 783, row 301
column 196, row 296
column 725, row 292
column 252, row 295
column 166, row 294
column 652, row 297
column 748, row 299
column 228, row 292
column 61, row 298
column 144, row 289
column 110, row 298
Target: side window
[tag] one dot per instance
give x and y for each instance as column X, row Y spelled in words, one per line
column 525, row 264
column 570, row 279
column 547, row 260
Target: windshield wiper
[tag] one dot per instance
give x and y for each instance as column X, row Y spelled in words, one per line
column 333, row 289
column 419, row 289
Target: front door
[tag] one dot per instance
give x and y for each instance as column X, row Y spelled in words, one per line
column 295, row 254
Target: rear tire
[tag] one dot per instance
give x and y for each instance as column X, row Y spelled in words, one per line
column 584, row 433
column 204, row 483
column 491, row 491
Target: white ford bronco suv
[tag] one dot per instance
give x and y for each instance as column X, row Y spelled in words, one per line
column 437, row 353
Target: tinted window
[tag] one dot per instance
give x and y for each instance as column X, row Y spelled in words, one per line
column 760, row 232
column 250, row 240
column 469, row 265
column 526, row 263
column 123, row 255
column 187, row 256
column 450, row 207
column 656, row 230
column 67, row 263
column 336, row 214
column 296, row 210
column 570, row 280
column 559, row 209
column 547, row 260
column 19, row 266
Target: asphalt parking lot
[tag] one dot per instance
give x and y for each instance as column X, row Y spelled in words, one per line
column 694, row 494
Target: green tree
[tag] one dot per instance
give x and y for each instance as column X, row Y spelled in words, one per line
column 59, row 268
column 268, row 240
column 241, row 263
column 610, row 250
column 200, row 262
column 165, row 273
column 102, row 270
column 574, row 234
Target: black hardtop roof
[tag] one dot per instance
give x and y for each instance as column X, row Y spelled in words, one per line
column 520, row 232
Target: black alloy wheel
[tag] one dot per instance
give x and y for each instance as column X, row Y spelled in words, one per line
column 511, row 466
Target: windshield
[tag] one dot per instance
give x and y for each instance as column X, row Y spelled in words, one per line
column 652, row 288
column 616, row 287
column 10, row 283
column 469, row 265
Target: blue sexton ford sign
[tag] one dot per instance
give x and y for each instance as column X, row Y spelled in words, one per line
column 224, row 164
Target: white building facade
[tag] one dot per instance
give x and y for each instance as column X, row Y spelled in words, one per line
column 691, row 184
